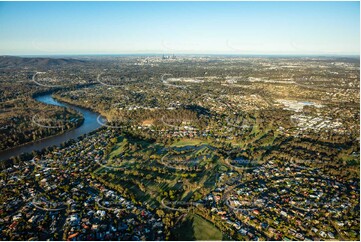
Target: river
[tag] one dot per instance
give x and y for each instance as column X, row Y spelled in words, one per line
column 90, row 123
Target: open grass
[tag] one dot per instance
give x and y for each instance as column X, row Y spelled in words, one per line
column 204, row 230
column 195, row 227
column 118, row 149
column 186, row 142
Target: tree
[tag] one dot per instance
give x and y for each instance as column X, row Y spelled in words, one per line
column 160, row 213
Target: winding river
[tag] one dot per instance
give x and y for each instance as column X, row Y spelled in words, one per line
column 90, row 123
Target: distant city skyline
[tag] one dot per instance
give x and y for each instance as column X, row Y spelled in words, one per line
column 242, row 28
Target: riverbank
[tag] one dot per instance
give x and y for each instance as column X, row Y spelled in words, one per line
column 44, row 138
column 88, row 124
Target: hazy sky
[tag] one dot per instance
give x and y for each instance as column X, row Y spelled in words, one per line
column 179, row 27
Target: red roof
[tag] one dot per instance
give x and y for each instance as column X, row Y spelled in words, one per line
column 73, row 235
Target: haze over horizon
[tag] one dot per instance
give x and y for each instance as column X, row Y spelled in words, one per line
column 248, row 28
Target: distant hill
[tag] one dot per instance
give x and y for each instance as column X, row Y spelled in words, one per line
column 16, row 62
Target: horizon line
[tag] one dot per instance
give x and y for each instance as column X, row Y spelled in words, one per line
column 181, row 54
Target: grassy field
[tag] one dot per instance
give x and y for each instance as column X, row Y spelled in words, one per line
column 186, row 142
column 118, row 149
column 196, row 228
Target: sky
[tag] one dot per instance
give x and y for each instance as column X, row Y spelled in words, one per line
column 300, row 28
